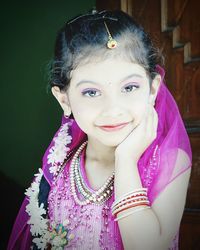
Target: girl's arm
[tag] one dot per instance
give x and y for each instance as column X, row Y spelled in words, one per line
column 154, row 228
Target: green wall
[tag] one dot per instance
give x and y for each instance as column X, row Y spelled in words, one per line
column 29, row 115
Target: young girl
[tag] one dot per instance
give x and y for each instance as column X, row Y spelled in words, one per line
column 115, row 175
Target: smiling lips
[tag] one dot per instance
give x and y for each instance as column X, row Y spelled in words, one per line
column 111, row 128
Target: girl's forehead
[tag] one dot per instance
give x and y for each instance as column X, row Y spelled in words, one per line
column 112, row 68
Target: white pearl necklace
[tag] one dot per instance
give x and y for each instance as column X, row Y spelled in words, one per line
column 77, row 183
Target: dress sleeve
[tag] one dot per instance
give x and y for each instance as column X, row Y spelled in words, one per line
column 20, row 238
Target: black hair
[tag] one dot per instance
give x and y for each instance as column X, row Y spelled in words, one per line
column 84, row 38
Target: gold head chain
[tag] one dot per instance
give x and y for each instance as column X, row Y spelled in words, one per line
column 112, row 43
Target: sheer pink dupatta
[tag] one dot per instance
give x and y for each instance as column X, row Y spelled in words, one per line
column 170, row 153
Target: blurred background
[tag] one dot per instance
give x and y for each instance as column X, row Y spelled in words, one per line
column 30, row 115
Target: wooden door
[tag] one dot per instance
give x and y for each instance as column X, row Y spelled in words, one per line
column 174, row 26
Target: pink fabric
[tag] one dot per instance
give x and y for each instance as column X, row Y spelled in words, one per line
column 158, row 166
column 20, row 238
column 92, row 225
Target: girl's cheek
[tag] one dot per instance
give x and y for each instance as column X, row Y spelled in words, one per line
column 139, row 112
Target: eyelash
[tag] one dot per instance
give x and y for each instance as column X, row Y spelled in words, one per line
column 85, row 92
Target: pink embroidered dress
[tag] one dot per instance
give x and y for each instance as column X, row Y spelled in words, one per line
column 92, row 226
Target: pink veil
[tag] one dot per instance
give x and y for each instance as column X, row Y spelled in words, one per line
column 159, row 165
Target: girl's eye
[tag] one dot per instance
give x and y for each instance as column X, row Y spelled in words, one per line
column 130, row 88
column 91, row 93
column 96, row 93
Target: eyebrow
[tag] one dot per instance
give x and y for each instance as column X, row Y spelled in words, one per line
column 125, row 78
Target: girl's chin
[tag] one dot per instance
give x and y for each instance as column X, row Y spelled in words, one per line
column 111, row 141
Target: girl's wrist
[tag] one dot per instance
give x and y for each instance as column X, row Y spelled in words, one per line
column 127, row 164
column 127, row 176
column 125, row 158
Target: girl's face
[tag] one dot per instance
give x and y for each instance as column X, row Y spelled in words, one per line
column 109, row 93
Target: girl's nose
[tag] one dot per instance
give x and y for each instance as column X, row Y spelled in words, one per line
column 112, row 109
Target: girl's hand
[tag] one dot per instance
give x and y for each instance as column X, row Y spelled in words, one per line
column 134, row 145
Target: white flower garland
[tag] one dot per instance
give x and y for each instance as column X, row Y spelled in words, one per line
column 58, row 152
column 38, row 224
column 58, row 237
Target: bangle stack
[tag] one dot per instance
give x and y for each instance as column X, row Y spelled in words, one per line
column 136, row 198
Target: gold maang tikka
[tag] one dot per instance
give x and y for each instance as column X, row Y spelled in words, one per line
column 112, row 43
